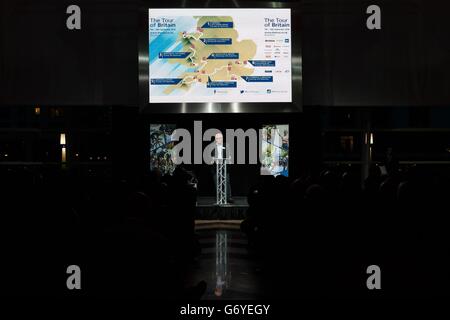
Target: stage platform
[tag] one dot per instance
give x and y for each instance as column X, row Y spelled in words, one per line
column 207, row 209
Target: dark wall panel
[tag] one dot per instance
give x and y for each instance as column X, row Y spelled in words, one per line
column 46, row 64
column 405, row 63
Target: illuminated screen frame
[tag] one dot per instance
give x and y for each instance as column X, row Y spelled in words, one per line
column 223, row 107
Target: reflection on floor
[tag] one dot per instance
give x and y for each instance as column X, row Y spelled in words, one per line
column 225, row 264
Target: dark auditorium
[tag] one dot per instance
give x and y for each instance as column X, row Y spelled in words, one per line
column 224, row 156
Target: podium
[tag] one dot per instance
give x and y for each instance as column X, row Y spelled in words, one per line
column 221, row 178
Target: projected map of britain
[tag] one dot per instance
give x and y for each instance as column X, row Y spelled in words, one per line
column 202, row 59
column 214, row 53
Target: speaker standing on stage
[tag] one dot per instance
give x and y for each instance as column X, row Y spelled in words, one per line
column 222, row 151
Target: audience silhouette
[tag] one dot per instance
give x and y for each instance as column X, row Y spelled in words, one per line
column 315, row 235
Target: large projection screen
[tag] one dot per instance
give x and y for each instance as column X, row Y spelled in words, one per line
column 219, row 55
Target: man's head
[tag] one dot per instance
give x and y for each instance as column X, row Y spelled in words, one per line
column 218, row 138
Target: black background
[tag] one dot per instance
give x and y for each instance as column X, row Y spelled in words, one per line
column 401, row 71
column 406, row 63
